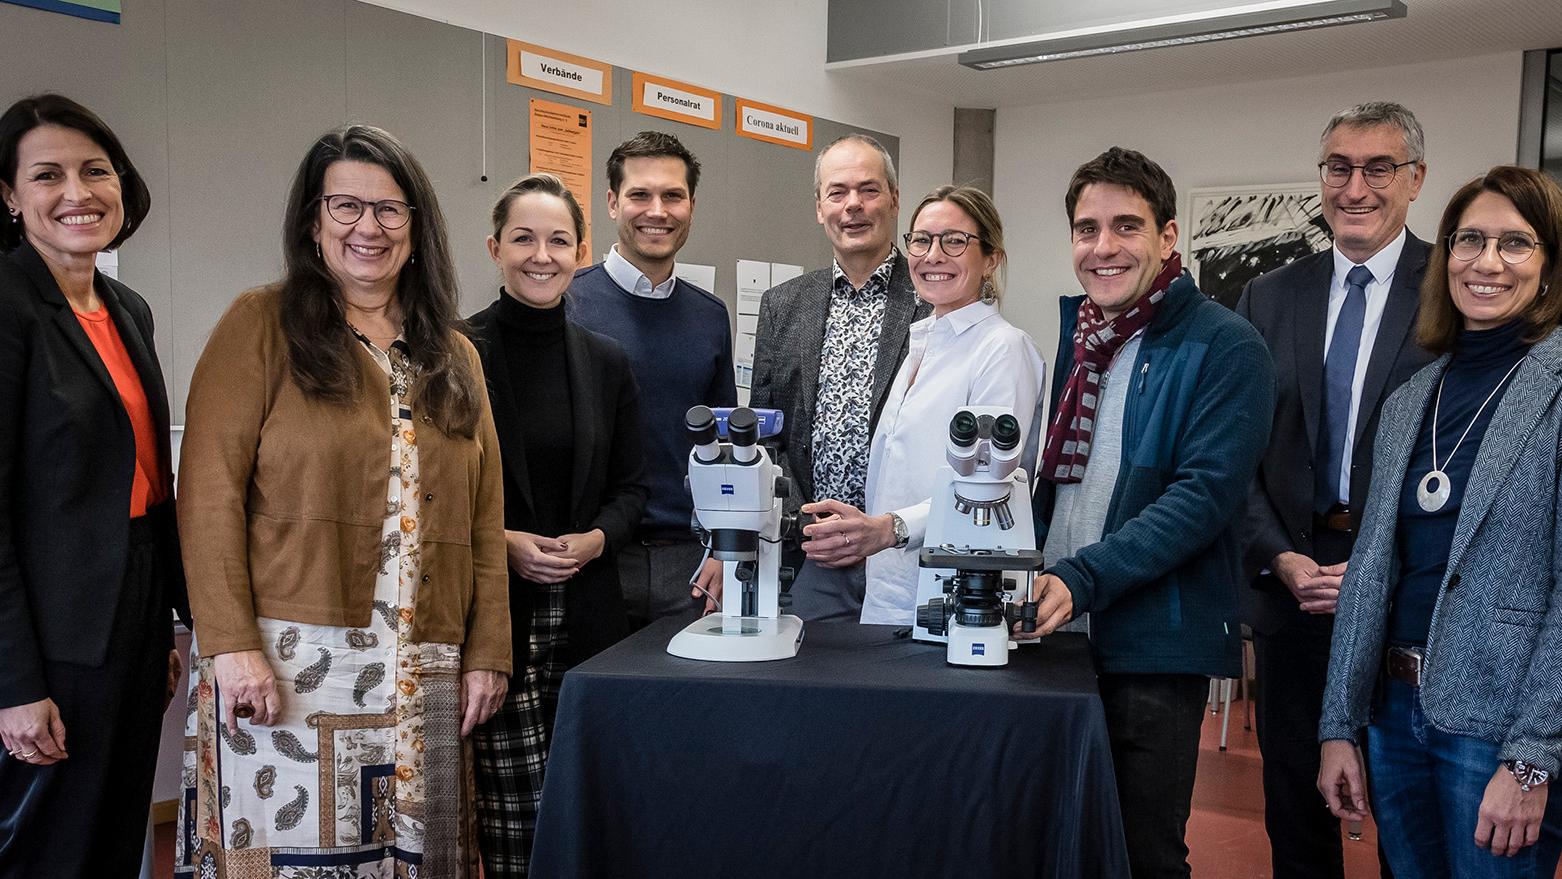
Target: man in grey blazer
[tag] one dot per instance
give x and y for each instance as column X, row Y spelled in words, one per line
column 1339, row 326
column 828, row 345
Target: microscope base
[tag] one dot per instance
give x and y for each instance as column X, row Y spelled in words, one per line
column 979, row 645
column 762, row 639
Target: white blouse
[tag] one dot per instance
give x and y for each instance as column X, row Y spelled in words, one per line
column 968, row 357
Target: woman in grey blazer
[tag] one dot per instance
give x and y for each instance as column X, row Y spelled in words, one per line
column 1447, row 645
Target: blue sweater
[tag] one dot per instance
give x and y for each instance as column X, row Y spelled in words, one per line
column 1161, row 585
column 1481, row 359
column 680, row 350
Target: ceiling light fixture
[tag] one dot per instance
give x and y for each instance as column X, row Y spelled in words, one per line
column 1183, row 33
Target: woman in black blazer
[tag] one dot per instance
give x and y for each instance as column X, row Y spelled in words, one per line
column 566, row 408
column 89, row 559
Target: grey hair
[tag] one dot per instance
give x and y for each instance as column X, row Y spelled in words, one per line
column 890, row 177
column 1380, row 113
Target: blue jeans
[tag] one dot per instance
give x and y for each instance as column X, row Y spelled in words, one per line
column 1426, row 787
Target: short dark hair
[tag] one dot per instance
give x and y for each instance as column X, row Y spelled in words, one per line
column 51, row 109
column 1131, row 169
column 313, row 318
column 547, row 184
column 1538, row 199
column 651, row 145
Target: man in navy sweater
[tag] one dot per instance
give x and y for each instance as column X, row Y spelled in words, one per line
column 1162, row 401
column 679, row 343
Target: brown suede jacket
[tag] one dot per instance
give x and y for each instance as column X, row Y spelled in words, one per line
column 282, row 500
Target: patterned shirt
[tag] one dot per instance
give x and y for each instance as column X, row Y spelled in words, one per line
column 843, row 405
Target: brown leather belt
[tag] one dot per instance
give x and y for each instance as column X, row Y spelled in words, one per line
column 1404, row 664
column 1336, row 518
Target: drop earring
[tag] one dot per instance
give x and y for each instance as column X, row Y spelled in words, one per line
column 989, row 293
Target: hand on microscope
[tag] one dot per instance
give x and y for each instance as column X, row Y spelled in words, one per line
column 707, row 583
column 1054, row 606
column 539, row 559
column 842, row 535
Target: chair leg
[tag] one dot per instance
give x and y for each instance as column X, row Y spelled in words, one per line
column 1225, row 710
column 1214, row 695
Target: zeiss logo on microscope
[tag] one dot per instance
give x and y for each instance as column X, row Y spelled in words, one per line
column 978, row 649
column 727, row 489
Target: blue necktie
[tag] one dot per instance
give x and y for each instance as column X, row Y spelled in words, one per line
column 1339, row 374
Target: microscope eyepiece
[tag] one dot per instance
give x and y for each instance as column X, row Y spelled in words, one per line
column 1005, row 432
column 743, row 427
column 963, row 429
column 701, row 422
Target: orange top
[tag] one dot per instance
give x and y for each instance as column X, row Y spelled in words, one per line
column 147, row 487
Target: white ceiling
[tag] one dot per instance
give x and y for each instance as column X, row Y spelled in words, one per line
column 1432, row 30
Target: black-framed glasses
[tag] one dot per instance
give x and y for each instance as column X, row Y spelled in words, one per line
column 1377, row 175
column 388, row 212
column 1469, row 244
column 952, row 243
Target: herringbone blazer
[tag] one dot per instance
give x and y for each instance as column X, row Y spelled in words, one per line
column 1494, row 653
column 787, row 348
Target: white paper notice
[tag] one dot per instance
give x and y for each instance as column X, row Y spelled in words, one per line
column 781, row 272
column 748, row 323
column 703, row 277
column 561, row 72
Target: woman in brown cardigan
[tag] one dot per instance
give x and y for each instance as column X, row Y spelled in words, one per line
column 340, row 481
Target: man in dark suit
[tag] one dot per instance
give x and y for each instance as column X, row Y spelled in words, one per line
column 828, row 344
column 1339, row 326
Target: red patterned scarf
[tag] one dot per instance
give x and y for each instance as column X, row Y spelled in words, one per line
column 1096, row 341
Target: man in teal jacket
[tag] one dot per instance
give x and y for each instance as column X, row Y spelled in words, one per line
column 1161, row 405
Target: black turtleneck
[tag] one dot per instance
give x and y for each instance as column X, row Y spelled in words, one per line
column 1481, row 362
column 534, row 356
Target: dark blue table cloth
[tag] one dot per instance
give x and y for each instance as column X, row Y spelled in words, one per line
column 865, row 755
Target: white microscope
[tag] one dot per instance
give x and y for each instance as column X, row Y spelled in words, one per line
column 980, row 547
column 738, row 493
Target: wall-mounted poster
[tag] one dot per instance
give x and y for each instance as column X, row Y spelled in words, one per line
column 97, row 10
column 561, row 144
column 1236, row 233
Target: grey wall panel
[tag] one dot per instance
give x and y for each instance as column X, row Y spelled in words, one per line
column 218, row 102
column 250, row 86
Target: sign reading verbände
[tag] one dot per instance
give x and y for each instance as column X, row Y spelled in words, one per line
column 559, row 72
column 774, row 124
column 678, row 101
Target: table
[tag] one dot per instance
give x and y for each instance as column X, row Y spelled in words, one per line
column 865, row 755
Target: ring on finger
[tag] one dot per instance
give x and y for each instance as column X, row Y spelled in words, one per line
column 29, row 755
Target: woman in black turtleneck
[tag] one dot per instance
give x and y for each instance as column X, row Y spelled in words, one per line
column 565, row 405
column 1447, row 651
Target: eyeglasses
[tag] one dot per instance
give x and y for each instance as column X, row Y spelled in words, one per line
column 1513, row 247
column 952, row 243
column 388, row 212
column 1377, row 175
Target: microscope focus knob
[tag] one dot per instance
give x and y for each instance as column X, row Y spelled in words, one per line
column 787, row 574
column 783, row 487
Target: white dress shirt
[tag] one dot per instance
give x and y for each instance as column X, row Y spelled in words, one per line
column 969, row 357
column 1382, row 265
column 624, row 274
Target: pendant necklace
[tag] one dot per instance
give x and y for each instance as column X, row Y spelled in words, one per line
column 1435, row 487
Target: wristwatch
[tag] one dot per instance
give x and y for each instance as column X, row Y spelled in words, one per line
column 1526, row 775
column 902, row 534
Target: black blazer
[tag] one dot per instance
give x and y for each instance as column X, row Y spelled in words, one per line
column 67, row 461
column 1290, row 308
column 608, row 477
column 788, row 344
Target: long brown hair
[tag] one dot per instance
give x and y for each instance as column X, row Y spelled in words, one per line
column 1538, row 200
column 319, row 342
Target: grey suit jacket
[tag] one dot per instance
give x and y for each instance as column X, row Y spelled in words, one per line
column 787, row 348
column 1494, row 653
column 1289, row 307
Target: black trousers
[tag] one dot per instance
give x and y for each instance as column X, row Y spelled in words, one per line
column 655, row 576
column 85, row 816
column 1292, row 665
column 1153, row 722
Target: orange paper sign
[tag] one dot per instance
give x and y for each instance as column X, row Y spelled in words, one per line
column 559, row 72
column 774, row 124
column 560, row 144
column 678, row 101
